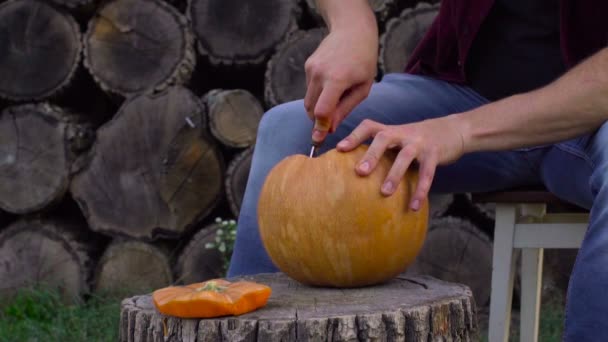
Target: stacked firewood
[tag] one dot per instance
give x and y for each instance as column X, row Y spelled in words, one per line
column 127, row 127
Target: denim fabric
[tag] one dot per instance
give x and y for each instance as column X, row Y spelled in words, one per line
column 574, row 170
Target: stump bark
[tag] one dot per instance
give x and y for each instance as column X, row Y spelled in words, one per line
column 197, row 263
column 236, row 179
column 39, row 50
column 137, row 46
column 285, row 78
column 47, row 253
column 152, row 172
column 457, row 251
column 130, row 267
column 404, row 309
column 234, row 116
column 241, row 32
column 403, row 34
column 38, row 144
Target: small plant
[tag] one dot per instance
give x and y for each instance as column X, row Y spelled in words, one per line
column 224, row 240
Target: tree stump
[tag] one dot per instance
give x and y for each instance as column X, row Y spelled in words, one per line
column 457, row 251
column 402, row 34
column 37, row 145
column 404, row 309
column 39, row 49
column 197, row 263
column 135, row 46
column 152, row 171
column 73, row 3
column 285, row 78
column 236, row 179
column 234, row 116
column 130, row 267
column 46, row 253
column 241, row 32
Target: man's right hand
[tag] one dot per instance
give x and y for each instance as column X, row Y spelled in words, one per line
column 340, row 72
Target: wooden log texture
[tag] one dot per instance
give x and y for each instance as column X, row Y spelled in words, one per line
column 457, row 251
column 137, row 46
column 234, row 116
column 410, row 309
column 236, row 179
column 381, row 8
column 241, row 32
column 129, row 267
column 153, row 171
column 38, row 144
column 403, row 34
column 285, row 78
column 39, row 49
column 73, row 3
column 197, row 263
column 45, row 253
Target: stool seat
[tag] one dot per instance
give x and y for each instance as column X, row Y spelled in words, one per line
column 529, row 195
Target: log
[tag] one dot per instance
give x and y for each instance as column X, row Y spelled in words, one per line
column 45, row 252
column 38, row 144
column 153, row 172
column 197, row 263
column 285, row 78
column 382, row 9
column 406, row 308
column 40, row 47
column 456, row 251
column 138, row 46
column 236, row 179
column 402, row 34
column 129, row 267
column 234, row 116
column 439, row 204
column 236, row 32
column 73, row 3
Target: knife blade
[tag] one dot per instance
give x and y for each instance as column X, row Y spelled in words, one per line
column 321, row 124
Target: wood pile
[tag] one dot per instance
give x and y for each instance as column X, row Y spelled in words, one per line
column 127, row 127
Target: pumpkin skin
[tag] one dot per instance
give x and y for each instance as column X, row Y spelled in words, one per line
column 212, row 298
column 324, row 225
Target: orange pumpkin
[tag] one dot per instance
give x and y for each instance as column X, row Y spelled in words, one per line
column 323, row 224
column 213, row 298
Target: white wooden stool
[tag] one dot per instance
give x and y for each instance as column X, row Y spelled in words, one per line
column 522, row 222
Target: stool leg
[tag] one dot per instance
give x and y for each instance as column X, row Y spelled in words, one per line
column 503, row 271
column 531, row 279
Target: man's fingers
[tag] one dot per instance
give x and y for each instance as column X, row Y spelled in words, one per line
column 312, row 95
column 400, row 165
column 328, row 100
column 375, row 151
column 426, row 173
column 350, row 101
column 365, row 130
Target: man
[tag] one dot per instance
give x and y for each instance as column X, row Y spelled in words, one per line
column 499, row 93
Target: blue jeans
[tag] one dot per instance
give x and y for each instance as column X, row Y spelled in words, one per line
column 574, row 170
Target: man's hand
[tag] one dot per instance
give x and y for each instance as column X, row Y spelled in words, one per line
column 431, row 142
column 340, row 72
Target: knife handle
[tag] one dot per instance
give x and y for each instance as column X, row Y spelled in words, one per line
column 323, row 125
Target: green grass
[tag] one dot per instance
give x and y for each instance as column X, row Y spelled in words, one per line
column 41, row 315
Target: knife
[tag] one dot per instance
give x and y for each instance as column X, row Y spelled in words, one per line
column 321, row 124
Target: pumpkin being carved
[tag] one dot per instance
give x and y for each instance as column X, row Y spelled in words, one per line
column 324, row 225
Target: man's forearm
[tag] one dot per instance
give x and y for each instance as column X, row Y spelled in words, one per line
column 347, row 14
column 575, row 104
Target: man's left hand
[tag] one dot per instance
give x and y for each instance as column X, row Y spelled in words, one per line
column 431, row 142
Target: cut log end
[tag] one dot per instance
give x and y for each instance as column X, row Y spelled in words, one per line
column 138, row 46
column 153, row 172
column 73, row 3
column 40, row 48
column 46, row 254
column 411, row 309
column 131, row 267
column 237, row 32
column 403, row 34
column 285, row 78
column 455, row 250
column 198, row 263
column 234, row 116
column 236, row 179
column 34, row 158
